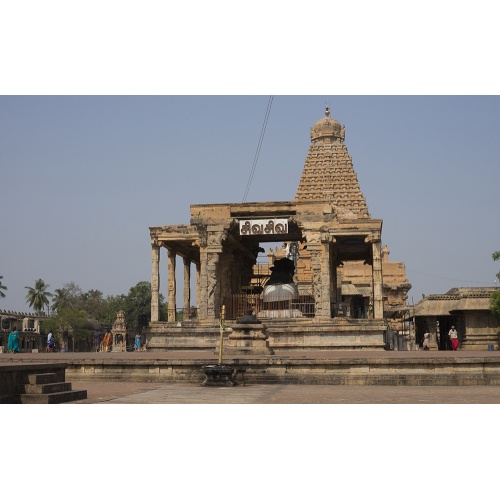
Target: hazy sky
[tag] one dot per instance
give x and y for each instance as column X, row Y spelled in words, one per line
column 84, row 178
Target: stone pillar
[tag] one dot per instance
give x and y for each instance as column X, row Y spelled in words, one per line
column 203, row 292
column 225, row 267
column 326, row 271
column 171, row 286
column 155, row 282
column 187, row 286
column 198, row 286
column 332, row 264
column 213, row 300
column 378, row 301
column 319, row 247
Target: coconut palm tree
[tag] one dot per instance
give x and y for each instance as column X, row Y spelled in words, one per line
column 59, row 299
column 37, row 296
column 2, row 287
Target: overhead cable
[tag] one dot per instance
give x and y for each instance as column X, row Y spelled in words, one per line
column 261, row 138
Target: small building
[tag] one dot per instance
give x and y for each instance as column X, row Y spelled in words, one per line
column 467, row 309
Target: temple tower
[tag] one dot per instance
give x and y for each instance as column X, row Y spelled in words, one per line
column 328, row 173
column 335, row 221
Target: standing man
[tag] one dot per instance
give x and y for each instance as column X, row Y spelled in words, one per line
column 454, row 338
column 50, row 342
column 97, row 340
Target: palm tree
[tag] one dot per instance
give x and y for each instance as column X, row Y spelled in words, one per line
column 59, row 299
column 37, row 296
column 2, row 287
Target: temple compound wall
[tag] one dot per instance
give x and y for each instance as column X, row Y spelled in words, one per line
column 338, row 295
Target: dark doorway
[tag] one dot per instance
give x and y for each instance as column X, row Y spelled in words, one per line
column 358, row 307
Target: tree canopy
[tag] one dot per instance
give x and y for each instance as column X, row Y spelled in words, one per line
column 2, row 288
column 495, row 297
column 136, row 304
column 38, row 296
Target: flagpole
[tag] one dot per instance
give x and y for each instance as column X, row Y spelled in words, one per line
column 222, row 327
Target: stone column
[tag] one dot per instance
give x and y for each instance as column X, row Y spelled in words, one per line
column 202, row 285
column 155, row 282
column 198, row 286
column 171, row 286
column 319, row 247
column 378, row 301
column 326, row 271
column 187, row 286
column 213, row 300
column 225, row 266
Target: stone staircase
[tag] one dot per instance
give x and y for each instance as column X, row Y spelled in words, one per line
column 43, row 388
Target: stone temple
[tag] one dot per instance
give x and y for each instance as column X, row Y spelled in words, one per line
column 333, row 286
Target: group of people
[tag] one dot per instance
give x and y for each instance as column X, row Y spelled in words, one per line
column 452, row 334
column 107, row 342
column 105, row 345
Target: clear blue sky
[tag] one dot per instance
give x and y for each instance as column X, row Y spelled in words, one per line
column 84, row 177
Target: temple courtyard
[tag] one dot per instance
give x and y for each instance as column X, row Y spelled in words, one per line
column 304, row 377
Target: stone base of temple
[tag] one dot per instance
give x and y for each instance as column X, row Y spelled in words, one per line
column 303, row 334
column 481, row 342
column 248, row 339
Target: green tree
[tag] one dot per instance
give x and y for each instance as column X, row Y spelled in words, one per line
column 496, row 256
column 68, row 322
column 59, row 299
column 93, row 302
column 138, row 303
column 67, row 297
column 38, row 296
column 495, row 297
column 111, row 305
column 2, row 288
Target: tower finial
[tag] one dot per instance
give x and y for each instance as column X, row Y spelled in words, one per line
column 327, row 111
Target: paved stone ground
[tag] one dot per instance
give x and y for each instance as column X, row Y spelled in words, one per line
column 211, row 355
column 157, row 393
column 154, row 393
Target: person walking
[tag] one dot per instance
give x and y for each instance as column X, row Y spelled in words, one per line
column 137, row 344
column 13, row 342
column 453, row 334
column 97, row 340
column 426, row 343
column 50, row 342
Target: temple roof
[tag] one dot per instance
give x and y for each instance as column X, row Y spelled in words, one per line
column 327, row 129
column 328, row 174
column 457, row 299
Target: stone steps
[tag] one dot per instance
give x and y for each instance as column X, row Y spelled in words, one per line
column 54, row 398
column 44, row 388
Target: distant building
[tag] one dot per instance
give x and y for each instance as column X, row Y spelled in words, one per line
column 467, row 309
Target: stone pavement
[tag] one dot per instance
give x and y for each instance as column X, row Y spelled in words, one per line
column 157, row 393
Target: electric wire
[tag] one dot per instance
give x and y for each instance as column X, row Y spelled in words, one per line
column 259, row 145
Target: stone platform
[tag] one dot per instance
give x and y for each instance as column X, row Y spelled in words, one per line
column 282, row 334
column 397, row 368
